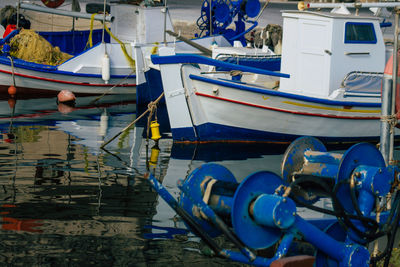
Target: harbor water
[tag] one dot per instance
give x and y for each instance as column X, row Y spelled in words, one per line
column 66, row 202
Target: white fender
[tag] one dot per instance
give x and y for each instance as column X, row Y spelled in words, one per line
column 105, row 68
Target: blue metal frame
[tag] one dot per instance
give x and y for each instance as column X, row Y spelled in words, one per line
column 197, row 59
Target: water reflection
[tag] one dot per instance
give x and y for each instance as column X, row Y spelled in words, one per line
column 64, row 201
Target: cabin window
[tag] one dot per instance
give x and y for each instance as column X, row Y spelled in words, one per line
column 360, row 33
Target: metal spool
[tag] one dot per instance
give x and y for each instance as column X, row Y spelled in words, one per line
column 341, row 166
column 293, row 162
column 357, row 155
column 217, row 15
column 238, row 199
column 293, row 159
column 252, row 234
column 252, row 8
column 195, row 182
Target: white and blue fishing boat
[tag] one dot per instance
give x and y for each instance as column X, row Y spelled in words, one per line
column 112, row 62
column 329, row 86
column 109, row 63
column 223, row 26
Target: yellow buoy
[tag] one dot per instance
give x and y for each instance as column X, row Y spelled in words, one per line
column 155, row 130
column 302, row 6
column 155, row 152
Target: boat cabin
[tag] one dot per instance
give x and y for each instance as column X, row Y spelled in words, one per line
column 320, row 49
column 141, row 24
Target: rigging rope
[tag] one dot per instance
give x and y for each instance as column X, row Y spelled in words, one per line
column 130, row 60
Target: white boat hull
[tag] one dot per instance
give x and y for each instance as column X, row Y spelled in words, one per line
column 235, row 114
column 225, row 110
column 57, row 81
column 80, row 74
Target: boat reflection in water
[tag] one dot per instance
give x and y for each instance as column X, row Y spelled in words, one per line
column 65, row 201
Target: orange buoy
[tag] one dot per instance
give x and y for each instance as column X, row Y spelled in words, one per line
column 64, row 108
column 389, row 71
column 65, row 96
column 12, row 90
column 11, row 102
column 52, row 3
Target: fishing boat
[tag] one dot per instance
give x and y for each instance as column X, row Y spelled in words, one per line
column 222, row 26
column 102, row 66
column 329, row 86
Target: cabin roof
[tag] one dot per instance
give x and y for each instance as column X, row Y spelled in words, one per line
column 330, row 15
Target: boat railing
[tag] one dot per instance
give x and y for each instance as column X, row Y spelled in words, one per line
column 259, row 56
column 362, row 84
column 266, row 62
column 197, row 59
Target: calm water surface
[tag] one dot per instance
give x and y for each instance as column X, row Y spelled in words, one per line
column 66, row 202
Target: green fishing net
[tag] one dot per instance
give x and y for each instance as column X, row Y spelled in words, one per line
column 30, row 46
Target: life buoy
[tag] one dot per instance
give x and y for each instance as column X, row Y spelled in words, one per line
column 389, row 71
column 52, row 3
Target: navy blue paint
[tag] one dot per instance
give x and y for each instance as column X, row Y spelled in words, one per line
column 142, row 94
column 265, row 91
column 150, row 90
column 216, row 132
column 184, row 134
column 197, row 59
column 74, row 42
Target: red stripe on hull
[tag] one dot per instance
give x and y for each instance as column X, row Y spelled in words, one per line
column 287, row 111
column 68, row 82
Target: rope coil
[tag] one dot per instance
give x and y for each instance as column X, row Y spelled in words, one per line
column 391, row 120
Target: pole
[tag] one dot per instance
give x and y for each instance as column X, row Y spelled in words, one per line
column 386, row 112
column 357, row 5
column 104, row 23
column 211, row 18
column 203, row 49
column 165, row 22
column 18, row 12
column 64, row 12
column 394, row 78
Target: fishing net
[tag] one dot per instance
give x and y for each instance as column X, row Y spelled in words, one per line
column 30, row 46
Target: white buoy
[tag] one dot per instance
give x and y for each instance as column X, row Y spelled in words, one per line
column 103, row 124
column 105, row 68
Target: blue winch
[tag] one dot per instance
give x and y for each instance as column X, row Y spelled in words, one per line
column 217, row 15
column 261, row 211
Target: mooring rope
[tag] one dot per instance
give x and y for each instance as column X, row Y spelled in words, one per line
column 115, row 85
column 12, row 69
column 391, row 120
column 150, row 106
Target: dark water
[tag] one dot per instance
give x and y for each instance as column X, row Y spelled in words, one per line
column 66, row 202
